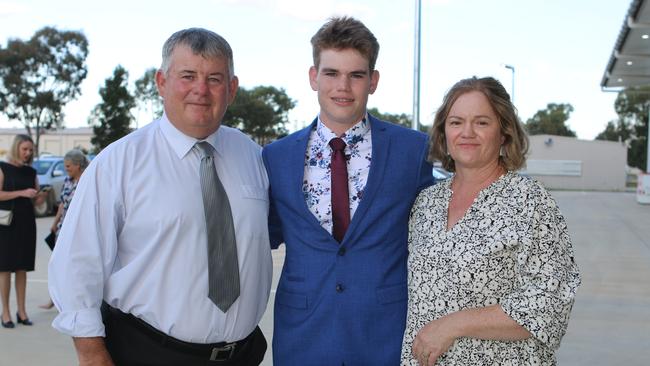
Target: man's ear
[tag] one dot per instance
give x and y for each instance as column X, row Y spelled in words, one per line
column 161, row 80
column 374, row 80
column 313, row 76
column 234, row 85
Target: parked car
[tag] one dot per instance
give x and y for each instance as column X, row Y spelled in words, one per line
column 440, row 174
column 51, row 174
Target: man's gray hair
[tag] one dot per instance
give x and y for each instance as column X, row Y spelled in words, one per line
column 202, row 42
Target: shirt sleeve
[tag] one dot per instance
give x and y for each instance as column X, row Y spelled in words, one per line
column 547, row 275
column 274, row 222
column 425, row 178
column 85, row 253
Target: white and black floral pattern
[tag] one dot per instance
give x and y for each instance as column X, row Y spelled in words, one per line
column 69, row 186
column 511, row 248
column 317, row 183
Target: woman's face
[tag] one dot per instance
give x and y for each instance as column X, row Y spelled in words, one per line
column 73, row 170
column 473, row 131
column 25, row 151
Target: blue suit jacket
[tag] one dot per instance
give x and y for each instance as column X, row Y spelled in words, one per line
column 345, row 303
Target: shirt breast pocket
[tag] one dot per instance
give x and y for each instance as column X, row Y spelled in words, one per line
column 255, row 192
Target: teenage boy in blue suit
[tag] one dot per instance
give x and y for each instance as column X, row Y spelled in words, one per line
column 342, row 295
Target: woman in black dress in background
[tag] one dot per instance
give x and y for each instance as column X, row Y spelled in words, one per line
column 18, row 186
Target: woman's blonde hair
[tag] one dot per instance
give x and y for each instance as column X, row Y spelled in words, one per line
column 515, row 145
column 14, row 154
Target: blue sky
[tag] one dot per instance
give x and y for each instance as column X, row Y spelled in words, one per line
column 559, row 48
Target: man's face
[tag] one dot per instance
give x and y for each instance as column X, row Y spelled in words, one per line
column 343, row 81
column 196, row 92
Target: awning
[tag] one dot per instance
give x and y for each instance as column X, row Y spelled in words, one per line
column 629, row 63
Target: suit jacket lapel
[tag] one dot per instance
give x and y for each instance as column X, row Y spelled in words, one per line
column 380, row 148
column 296, row 162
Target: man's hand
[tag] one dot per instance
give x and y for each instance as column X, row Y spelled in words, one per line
column 91, row 351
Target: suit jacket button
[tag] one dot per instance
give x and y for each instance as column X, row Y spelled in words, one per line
column 339, row 287
column 341, row 251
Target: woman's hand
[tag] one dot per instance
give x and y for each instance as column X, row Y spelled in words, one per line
column 28, row 193
column 489, row 322
column 41, row 196
column 433, row 340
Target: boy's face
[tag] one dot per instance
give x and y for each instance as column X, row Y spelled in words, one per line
column 343, row 81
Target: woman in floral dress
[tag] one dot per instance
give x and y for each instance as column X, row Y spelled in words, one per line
column 74, row 162
column 492, row 278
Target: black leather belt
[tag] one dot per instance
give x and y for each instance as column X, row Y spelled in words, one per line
column 222, row 351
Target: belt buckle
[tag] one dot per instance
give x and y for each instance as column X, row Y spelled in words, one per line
column 227, row 351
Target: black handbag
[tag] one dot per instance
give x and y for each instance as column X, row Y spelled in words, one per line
column 51, row 240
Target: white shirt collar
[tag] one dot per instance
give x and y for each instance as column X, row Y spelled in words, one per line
column 181, row 143
column 353, row 134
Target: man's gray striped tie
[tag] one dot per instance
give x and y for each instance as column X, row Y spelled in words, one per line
column 223, row 269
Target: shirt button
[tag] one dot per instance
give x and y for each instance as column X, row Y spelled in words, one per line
column 341, row 251
column 339, row 287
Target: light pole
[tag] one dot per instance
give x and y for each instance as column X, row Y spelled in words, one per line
column 512, row 90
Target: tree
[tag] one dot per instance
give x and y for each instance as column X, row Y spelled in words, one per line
column 631, row 105
column 146, row 94
column 260, row 112
column 551, row 120
column 402, row 119
column 617, row 130
column 111, row 119
column 40, row 76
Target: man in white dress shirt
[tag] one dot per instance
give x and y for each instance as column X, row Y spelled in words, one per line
column 130, row 271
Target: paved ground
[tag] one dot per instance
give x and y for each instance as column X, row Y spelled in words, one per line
column 610, row 324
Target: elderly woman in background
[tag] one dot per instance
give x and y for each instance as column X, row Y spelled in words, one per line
column 75, row 162
column 18, row 186
column 492, row 277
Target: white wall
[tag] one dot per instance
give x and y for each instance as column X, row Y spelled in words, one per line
column 568, row 163
column 52, row 142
